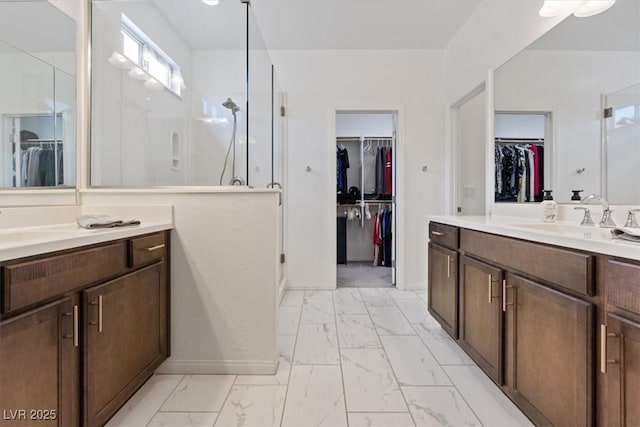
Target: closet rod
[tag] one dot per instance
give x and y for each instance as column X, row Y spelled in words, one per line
column 512, row 140
column 357, row 138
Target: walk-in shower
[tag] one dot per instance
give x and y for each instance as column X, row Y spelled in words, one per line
column 235, row 180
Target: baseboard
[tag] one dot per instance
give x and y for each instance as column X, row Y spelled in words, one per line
column 236, row 367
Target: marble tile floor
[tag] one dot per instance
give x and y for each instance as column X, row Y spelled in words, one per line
column 349, row 357
column 363, row 275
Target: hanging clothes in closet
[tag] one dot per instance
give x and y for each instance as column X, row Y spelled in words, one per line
column 342, row 164
column 38, row 166
column 384, row 173
column 382, row 238
column 519, row 172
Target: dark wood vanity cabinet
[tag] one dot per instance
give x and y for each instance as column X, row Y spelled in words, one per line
column 443, row 276
column 125, row 339
column 72, row 355
column 481, row 315
column 619, row 357
column 548, row 339
column 526, row 317
column 443, row 289
column 39, row 359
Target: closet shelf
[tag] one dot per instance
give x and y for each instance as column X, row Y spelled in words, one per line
column 367, row 202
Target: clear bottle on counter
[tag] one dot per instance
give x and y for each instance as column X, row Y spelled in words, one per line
column 549, row 207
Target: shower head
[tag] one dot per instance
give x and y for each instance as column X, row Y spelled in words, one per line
column 231, row 105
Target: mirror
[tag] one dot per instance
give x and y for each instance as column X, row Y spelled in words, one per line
column 554, row 96
column 37, row 96
column 169, row 84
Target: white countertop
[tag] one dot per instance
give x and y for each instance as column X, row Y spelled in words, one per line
column 27, row 241
column 569, row 235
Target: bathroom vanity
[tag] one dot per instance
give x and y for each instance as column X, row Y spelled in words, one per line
column 82, row 328
column 551, row 313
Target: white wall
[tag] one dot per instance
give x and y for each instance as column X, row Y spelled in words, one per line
column 569, row 84
column 355, row 124
column 471, row 142
column 321, row 82
column 496, row 31
column 519, row 125
column 223, row 277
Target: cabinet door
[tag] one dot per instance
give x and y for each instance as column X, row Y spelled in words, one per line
column 443, row 287
column 622, row 371
column 481, row 315
column 39, row 374
column 126, row 339
column 549, row 339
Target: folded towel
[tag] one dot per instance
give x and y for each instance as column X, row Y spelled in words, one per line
column 103, row 221
column 625, row 233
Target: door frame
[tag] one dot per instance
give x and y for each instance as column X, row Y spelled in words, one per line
column 454, row 153
column 398, row 184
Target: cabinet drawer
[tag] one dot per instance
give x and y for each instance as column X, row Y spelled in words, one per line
column 145, row 249
column 29, row 282
column 623, row 285
column 563, row 267
column 443, row 235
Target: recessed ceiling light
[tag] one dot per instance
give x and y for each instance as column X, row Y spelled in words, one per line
column 211, row 2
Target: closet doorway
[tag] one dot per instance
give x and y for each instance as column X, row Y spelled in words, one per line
column 365, row 198
column 523, row 138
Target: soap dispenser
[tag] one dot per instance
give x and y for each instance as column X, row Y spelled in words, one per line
column 549, row 207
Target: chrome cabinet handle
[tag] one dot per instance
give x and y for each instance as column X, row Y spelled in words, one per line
column 490, row 288
column 155, row 248
column 448, row 266
column 75, row 325
column 437, row 233
column 603, row 349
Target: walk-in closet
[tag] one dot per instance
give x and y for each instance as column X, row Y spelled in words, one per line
column 521, row 155
column 365, row 197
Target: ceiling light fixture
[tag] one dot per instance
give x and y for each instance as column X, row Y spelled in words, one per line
column 593, row 7
column 582, row 8
column 138, row 74
column 119, row 60
column 211, row 2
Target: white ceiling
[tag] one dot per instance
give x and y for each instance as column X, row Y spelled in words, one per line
column 321, row 24
column 361, row 24
column 36, row 26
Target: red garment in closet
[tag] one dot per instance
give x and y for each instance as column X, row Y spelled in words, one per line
column 537, row 170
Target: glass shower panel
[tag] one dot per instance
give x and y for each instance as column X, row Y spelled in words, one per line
column 622, row 145
column 157, row 116
column 260, row 108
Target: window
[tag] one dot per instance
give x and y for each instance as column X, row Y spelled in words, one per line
column 148, row 56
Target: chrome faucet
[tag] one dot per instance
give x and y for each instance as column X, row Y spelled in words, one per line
column 606, row 221
column 631, row 219
column 586, row 220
